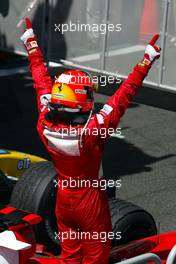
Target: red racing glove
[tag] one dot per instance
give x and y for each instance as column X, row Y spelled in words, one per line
column 29, row 39
column 152, row 52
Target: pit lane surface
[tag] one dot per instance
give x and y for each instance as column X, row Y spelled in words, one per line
column 145, row 160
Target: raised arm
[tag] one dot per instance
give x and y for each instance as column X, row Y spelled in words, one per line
column 115, row 107
column 41, row 78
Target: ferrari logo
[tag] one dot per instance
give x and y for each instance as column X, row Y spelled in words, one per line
column 60, row 87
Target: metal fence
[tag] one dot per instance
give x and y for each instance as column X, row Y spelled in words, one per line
column 11, row 18
column 105, row 36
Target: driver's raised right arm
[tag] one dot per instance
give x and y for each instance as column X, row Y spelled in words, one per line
column 41, row 78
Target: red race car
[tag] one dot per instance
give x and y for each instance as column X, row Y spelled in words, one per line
column 18, row 244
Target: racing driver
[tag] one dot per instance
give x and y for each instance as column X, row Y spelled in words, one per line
column 68, row 103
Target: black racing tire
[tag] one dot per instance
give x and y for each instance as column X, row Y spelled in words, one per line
column 36, row 192
column 131, row 220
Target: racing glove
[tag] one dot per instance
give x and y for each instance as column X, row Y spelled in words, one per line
column 29, row 39
column 152, row 53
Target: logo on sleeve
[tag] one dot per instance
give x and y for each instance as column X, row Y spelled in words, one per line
column 106, row 110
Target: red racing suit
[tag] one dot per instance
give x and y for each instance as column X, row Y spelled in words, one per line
column 85, row 209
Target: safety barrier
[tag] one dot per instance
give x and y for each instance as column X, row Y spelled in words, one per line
column 113, row 51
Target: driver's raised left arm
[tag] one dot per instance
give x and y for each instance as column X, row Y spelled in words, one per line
column 115, row 107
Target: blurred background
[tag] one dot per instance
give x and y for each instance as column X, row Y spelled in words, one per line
column 139, row 19
column 145, row 158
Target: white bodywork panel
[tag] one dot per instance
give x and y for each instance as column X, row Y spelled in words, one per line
column 10, row 247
